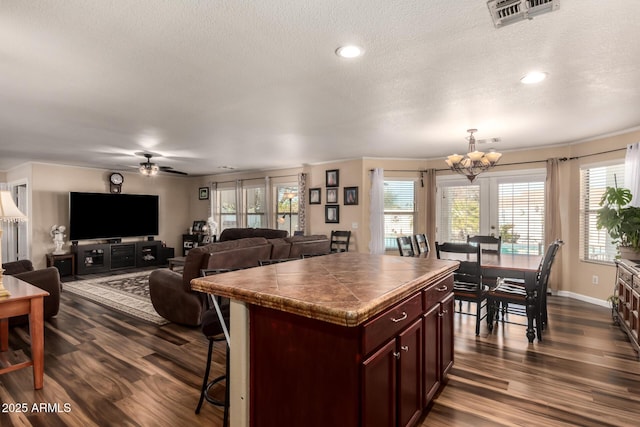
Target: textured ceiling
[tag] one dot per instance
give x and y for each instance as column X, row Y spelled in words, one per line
column 256, row 84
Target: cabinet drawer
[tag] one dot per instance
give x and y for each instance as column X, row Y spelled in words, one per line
column 437, row 292
column 387, row 324
column 625, row 275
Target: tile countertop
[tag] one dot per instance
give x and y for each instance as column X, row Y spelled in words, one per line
column 344, row 288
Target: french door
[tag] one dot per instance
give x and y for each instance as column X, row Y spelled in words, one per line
column 509, row 204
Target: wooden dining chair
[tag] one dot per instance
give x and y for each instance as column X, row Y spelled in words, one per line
column 340, row 240
column 422, row 244
column 494, row 243
column 510, row 295
column 405, row 246
column 467, row 279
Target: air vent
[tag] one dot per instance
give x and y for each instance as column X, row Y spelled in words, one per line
column 505, row 12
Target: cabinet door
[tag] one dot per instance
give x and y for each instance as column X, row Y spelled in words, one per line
column 410, row 374
column 446, row 338
column 379, row 387
column 431, row 353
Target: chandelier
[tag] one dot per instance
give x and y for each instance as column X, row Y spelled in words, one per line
column 147, row 168
column 474, row 162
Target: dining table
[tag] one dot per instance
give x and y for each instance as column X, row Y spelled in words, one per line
column 513, row 266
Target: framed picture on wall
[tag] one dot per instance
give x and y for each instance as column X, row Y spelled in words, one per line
column 315, row 196
column 332, row 195
column 331, row 214
column 203, row 193
column 332, row 178
column 350, row 195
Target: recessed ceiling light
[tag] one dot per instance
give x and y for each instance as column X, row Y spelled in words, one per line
column 533, row 77
column 349, row 51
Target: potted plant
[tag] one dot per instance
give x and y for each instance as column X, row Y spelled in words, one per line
column 621, row 221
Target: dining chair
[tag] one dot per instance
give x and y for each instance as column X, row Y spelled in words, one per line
column 422, row 244
column 510, row 295
column 467, row 279
column 405, row 246
column 340, row 240
column 494, row 242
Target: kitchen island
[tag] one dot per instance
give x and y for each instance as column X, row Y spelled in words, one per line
column 346, row 339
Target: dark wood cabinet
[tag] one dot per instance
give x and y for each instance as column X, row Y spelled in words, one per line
column 65, row 263
column 379, row 391
column 377, row 372
column 104, row 257
column 628, row 291
column 438, row 344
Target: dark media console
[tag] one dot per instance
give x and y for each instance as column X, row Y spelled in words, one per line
column 104, row 257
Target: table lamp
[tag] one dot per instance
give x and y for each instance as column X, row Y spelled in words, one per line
column 9, row 212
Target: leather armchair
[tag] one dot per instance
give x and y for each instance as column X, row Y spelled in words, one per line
column 47, row 279
column 170, row 291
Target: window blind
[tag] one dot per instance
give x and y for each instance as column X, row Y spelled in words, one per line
column 459, row 214
column 596, row 245
column 255, row 201
column 399, row 211
column 227, row 206
column 521, row 217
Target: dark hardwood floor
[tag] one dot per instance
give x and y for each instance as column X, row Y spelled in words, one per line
column 112, row 370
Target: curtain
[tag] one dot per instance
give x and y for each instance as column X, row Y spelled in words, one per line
column 632, row 172
column 430, row 194
column 552, row 227
column 302, row 202
column 268, row 208
column 214, row 219
column 239, row 205
column 376, row 212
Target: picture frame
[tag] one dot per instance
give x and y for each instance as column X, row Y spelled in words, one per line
column 206, row 239
column 315, row 196
column 203, row 193
column 332, row 178
column 332, row 195
column 331, row 214
column 350, row 196
column 198, row 226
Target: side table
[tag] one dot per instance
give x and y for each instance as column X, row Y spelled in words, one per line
column 65, row 263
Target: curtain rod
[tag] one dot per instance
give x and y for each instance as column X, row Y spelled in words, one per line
column 562, row 159
column 255, row 179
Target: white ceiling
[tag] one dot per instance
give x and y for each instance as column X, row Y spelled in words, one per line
column 256, row 84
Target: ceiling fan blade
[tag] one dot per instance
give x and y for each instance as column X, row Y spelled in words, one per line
column 169, row 169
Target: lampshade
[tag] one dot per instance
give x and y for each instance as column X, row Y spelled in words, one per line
column 9, row 212
column 149, row 168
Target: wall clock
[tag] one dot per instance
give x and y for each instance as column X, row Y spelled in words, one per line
column 115, row 182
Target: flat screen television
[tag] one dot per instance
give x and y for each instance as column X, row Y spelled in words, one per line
column 111, row 216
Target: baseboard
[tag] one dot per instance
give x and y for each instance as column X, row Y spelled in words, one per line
column 591, row 300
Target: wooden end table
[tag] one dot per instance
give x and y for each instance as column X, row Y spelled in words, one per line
column 24, row 299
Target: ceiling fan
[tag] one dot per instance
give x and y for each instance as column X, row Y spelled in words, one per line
column 149, row 168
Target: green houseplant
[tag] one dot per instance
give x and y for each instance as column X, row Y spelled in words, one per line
column 621, row 221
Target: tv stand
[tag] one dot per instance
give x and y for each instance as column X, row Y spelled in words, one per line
column 104, row 257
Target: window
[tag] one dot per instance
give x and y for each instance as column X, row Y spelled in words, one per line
column 227, row 208
column 510, row 205
column 595, row 245
column 521, row 217
column 255, row 207
column 287, row 208
column 399, row 211
column 459, row 212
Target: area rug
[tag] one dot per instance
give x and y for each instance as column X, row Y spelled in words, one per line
column 126, row 293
